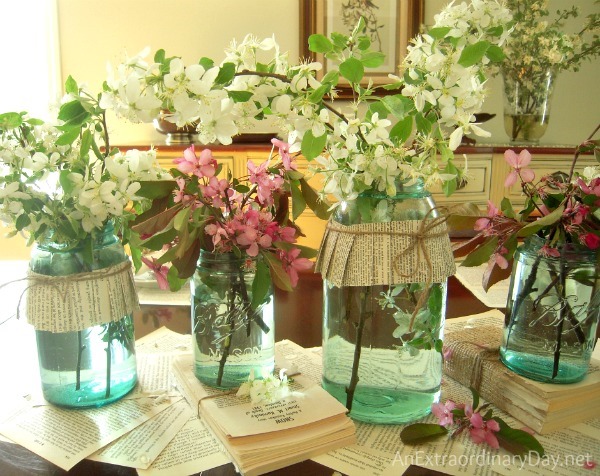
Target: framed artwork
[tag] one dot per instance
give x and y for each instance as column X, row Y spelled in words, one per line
column 390, row 25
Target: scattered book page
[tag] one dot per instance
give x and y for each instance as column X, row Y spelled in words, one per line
column 141, row 446
column 164, row 340
column 193, row 449
column 65, row 437
column 154, row 375
column 471, row 277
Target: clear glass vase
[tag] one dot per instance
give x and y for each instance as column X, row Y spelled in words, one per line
column 527, row 106
column 231, row 338
column 552, row 313
column 382, row 343
column 96, row 365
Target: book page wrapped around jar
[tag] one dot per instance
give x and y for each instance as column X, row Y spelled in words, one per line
column 369, row 254
column 77, row 301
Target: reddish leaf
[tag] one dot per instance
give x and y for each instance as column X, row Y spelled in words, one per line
column 158, row 222
column 463, row 248
column 187, row 264
column 494, row 274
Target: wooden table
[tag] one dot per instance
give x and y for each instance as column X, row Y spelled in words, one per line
column 298, row 319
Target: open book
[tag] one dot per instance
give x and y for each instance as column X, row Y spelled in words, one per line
column 262, row 438
column 544, row 407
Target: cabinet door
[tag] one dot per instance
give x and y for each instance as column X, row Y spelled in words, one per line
column 475, row 188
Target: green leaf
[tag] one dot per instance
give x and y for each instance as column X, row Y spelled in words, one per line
column 363, row 43
column 449, row 187
column 22, row 221
column 423, row 125
column 352, row 69
column 319, row 207
column 153, row 189
column 340, row 41
column 312, row 146
column 318, row 43
column 359, row 27
column 10, row 120
column 395, row 105
column 240, row 96
column 206, row 63
column 421, row 432
column 86, row 143
column 71, row 86
column 226, row 73
column 507, row 208
column 182, row 218
column 175, row 282
column 69, row 136
column 261, row 284
column 331, row 78
column 495, row 54
column 159, row 56
column 298, row 202
column 518, row 442
column 402, row 130
column 372, row 59
column 542, row 222
column 158, row 240
column 65, row 182
column 473, row 54
column 482, row 254
column 318, row 93
column 438, row 33
column 73, row 113
column 475, row 398
column 278, row 274
column 379, row 108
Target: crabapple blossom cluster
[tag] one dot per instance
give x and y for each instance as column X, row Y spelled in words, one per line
column 561, row 209
column 370, row 142
column 482, row 428
column 268, row 389
column 50, row 186
column 226, row 215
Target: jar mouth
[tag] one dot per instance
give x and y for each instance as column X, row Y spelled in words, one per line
column 405, row 188
column 570, row 251
column 229, row 258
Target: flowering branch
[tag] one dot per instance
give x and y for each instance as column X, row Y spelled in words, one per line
column 479, row 421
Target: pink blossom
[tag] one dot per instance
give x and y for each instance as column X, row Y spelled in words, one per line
column 593, row 188
column 483, row 223
column 589, row 464
column 266, row 183
column 284, row 152
column 217, row 232
column 443, row 412
column 160, row 272
column 203, row 166
column 591, row 240
column 499, row 258
column 287, row 234
column 549, row 252
column 518, row 163
column 447, row 353
column 483, row 431
column 292, row 264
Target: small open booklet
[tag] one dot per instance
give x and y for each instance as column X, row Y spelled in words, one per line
column 262, row 438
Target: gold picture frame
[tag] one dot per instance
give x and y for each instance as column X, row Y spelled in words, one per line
column 396, row 22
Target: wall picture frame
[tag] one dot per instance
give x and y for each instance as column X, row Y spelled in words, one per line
column 390, row 23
